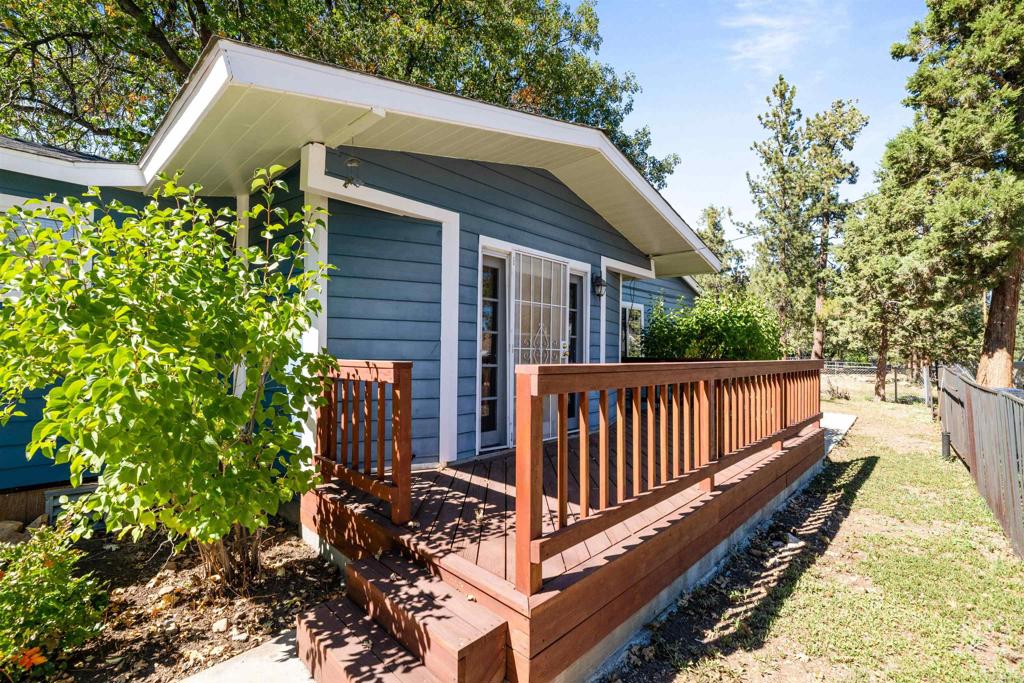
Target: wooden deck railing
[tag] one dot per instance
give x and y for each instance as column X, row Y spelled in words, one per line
column 700, row 418
column 353, row 430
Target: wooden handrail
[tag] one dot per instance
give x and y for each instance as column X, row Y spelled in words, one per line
column 701, row 418
column 347, row 417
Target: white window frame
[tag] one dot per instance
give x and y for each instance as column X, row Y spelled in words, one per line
column 634, row 306
column 497, row 248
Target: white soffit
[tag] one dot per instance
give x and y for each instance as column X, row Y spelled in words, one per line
column 246, row 107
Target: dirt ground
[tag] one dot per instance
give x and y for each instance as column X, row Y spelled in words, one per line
column 163, row 623
column 887, row 567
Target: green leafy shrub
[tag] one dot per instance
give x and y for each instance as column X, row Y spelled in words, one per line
column 45, row 608
column 140, row 321
column 725, row 326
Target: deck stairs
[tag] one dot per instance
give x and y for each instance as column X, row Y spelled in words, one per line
column 398, row 622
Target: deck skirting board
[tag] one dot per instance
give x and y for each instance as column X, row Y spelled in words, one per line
column 608, row 654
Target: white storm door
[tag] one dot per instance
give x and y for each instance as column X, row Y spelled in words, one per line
column 540, row 328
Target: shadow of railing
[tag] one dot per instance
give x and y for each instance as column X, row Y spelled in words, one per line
column 767, row 578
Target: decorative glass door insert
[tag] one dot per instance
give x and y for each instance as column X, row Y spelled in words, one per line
column 540, row 316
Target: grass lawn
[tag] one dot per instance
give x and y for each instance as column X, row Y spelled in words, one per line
column 888, row 567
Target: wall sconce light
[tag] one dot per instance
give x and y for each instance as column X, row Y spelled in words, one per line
column 598, row 284
column 353, row 169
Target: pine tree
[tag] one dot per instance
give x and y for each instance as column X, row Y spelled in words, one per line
column 799, row 210
column 962, row 161
column 829, row 135
column 733, row 274
column 785, row 253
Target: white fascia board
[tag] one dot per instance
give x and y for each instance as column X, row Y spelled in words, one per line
column 87, row 173
column 697, row 289
column 274, row 71
column 197, row 97
column 313, row 178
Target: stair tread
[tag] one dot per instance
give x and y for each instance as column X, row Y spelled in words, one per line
column 360, row 648
column 428, row 599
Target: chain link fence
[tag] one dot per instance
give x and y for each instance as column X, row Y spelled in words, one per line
column 844, row 380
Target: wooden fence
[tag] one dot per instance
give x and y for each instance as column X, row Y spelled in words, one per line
column 698, row 418
column 363, row 397
column 986, row 429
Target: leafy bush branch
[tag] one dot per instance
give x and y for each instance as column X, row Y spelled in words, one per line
column 141, row 324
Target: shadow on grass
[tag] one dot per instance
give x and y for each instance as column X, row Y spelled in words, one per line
column 736, row 609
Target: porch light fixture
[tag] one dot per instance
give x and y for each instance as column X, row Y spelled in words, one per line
column 598, row 284
column 353, row 169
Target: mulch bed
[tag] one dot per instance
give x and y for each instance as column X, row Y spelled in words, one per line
column 165, row 621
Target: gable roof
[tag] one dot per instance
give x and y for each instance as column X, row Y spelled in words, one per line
column 245, row 107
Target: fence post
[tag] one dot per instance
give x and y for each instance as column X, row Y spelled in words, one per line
column 529, row 460
column 969, row 429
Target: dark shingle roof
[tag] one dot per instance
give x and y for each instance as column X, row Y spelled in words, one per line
column 46, row 150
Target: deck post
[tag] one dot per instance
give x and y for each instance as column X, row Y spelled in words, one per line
column 703, row 427
column 529, row 461
column 327, row 425
column 401, row 437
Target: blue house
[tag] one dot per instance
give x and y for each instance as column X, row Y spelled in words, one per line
column 542, row 499
column 438, row 207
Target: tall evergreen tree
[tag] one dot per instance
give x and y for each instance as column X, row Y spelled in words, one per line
column 963, row 162
column 99, row 76
column 830, row 134
column 785, row 253
column 733, row 273
column 799, row 210
column 873, row 284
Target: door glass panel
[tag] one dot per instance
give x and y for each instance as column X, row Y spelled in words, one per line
column 492, row 353
column 577, row 337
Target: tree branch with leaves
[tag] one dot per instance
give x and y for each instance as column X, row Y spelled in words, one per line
column 134, row 321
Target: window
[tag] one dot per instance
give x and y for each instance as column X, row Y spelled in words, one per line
column 631, row 327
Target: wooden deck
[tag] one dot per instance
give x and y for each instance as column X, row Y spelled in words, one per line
column 696, row 485
column 468, row 509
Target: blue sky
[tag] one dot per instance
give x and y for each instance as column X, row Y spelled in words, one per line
column 707, row 65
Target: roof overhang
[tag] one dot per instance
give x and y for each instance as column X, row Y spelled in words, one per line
column 246, row 107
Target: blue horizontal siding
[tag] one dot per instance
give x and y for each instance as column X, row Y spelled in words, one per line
column 381, row 256
column 15, row 470
column 384, row 303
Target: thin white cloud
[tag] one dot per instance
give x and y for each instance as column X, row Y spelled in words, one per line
column 769, row 34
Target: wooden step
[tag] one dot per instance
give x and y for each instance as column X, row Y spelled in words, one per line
column 339, row 514
column 338, row 643
column 457, row 639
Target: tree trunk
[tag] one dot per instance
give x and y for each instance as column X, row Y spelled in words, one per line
column 882, row 363
column 995, row 369
column 235, row 559
column 818, row 349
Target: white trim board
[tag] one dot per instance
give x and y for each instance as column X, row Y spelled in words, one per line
column 622, row 268
column 241, row 244
column 86, row 173
column 314, row 179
